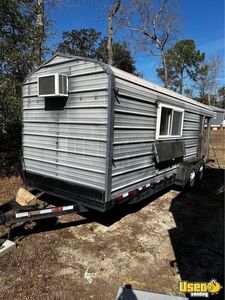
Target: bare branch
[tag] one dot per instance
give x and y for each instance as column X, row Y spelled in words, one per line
column 159, row 13
column 154, row 54
column 115, row 8
column 154, row 23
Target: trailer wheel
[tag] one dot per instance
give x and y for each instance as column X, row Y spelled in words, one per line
column 201, row 173
column 191, row 179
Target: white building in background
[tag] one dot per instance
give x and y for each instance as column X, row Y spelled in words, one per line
column 218, row 121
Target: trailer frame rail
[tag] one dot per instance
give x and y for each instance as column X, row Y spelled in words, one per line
column 44, row 213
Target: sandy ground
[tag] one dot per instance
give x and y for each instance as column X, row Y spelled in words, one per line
column 151, row 245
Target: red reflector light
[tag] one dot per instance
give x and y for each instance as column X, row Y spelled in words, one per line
column 119, row 198
column 57, row 209
column 131, row 193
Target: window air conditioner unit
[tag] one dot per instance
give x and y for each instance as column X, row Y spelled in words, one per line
column 54, row 85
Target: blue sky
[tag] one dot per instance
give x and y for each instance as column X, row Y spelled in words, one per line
column 200, row 20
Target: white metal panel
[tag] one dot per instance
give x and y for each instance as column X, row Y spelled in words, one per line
column 126, row 135
column 75, row 84
column 135, row 106
column 78, row 115
column 151, row 177
column 66, row 172
column 33, row 103
column 83, row 67
column 127, row 120
column 191, row 125
column 63, row 68
column 86, row 82
column 139, row 82
column 192, row 117
column 69, row 67
column 190, row 133
column 125, row 179
column 129, row 149
column 82, row 100
column 191, row 150
column 70, row 143
column 30, row 89
column 57, row 59
column 130, row 89
column 189, row 142
column 64, row 157
column 66, row 130
column 134, row 132
column 128, row 163
column 80, row 146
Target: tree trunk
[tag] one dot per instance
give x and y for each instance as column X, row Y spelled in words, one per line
column 181, row 86
column 41, row 29
column 209, row 100
column 111, row 14
column 181, row 82
column 165, row 69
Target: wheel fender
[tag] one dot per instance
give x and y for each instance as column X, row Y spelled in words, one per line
column 183, row 172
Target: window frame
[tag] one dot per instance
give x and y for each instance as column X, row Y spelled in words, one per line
column 158, row 121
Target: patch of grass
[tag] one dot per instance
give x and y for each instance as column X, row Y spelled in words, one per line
column 217, row 146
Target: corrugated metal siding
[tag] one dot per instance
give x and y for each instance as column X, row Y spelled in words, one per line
column 80, row 146
column 74, row 116
column 82, row 99
column 125, row 150
column 191, row 129
column 134, row 134
column 71, row 67
column 145, row 90
column 68, row 144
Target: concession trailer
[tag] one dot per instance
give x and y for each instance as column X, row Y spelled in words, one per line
column 98, row 136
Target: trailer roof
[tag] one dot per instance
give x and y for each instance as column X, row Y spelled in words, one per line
column 142, row 82
column 130, row 78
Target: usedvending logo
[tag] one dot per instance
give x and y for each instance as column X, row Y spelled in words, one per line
column 200, row 289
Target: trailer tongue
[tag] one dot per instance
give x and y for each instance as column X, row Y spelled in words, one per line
column 30, row 215
column 12, row 212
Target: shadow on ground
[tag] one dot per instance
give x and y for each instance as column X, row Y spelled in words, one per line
column 198, row 238
column 10, row 164
column 53, row 224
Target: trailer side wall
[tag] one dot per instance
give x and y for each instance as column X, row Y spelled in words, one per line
column 135, row 133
